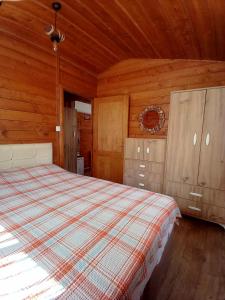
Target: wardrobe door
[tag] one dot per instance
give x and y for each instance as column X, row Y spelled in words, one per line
column 212, row 158
column 134, row 148
column 184, row 136
column 110, row 128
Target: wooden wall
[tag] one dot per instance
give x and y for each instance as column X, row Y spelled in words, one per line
column 28, row 108
column 149, row 82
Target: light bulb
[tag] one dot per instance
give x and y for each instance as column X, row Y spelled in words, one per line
column 55, row 46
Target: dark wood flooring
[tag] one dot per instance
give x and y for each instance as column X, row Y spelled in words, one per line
column 192, row 266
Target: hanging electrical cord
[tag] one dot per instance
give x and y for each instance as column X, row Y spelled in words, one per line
column 51, row 30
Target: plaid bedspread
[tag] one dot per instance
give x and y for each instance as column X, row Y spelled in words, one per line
column 68, row 236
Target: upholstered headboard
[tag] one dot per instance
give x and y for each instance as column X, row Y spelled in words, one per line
column 25, row 155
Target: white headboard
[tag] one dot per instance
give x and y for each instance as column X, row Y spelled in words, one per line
column 25, row 155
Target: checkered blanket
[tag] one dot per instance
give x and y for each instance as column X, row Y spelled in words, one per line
column 68, row 236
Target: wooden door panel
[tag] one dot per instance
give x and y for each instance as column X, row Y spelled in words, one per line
column 70, row 138
column 184, row 136
column 110, row 135
column 212, row 158
column 110, row 125
column 106, row 168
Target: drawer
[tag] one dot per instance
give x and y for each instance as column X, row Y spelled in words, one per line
column 213, row 197
column 136, row 173
column 207, row 196
column 156, row 168
column 132, row 181
column 189, row 207
column 146, row 177
column 156, row 178
column 155, row 187
column 182, row 190
column 196, row 209
column 143, row 183
column 131, row 165
column 213, row 213
column 141, row 166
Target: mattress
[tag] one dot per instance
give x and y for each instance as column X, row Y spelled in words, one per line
column 68, row 236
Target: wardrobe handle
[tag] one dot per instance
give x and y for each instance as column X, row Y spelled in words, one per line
column 138, row 149
column 195, row 139
column 148, row 150
column 207, row 139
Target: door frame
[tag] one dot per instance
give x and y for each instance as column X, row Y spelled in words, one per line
column 60, row 122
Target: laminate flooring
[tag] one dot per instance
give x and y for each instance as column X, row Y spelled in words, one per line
column 193, row 264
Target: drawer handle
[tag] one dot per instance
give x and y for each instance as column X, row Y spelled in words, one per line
column 195, row 194
column 195, row 139
column 194, row 208
column 148, row 150
column 141, row 184
column 138, row 149
column 142, row 166
column 141, row 175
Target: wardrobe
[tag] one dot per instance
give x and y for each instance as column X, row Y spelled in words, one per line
column 195, row 159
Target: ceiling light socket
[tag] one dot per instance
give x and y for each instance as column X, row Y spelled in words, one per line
column 56, row 6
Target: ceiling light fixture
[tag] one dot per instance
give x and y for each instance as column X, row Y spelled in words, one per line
column 51, row 30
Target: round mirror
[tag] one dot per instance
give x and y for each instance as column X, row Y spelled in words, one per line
column 152, row 119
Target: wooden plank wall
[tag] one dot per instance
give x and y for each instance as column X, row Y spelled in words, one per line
column 28, row 89
column 149, row 82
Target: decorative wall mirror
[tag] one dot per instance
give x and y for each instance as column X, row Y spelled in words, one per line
column 152, row 119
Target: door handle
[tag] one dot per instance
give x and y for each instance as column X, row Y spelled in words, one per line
column 148, row 150
column 138, row 149
column 207, row 139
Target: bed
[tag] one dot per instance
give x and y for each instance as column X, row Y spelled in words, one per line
column 69, row 236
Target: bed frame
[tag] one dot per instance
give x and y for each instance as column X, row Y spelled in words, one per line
column 25, row 155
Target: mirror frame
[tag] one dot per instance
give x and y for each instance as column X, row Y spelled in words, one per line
column 161, row 122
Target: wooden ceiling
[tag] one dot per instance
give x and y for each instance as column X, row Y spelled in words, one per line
column 100, row 33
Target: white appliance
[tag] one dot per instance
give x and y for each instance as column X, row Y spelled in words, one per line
column 80, row 165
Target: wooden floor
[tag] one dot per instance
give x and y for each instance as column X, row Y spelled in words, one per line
column 193, row 264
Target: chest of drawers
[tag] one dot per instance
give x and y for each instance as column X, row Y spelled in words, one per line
column 144, row 163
